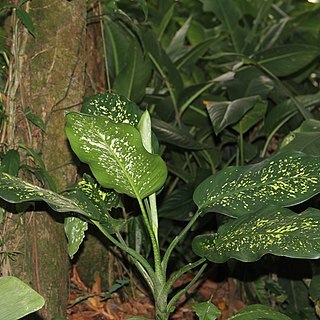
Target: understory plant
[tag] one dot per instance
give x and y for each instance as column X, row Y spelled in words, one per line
column 114, row 138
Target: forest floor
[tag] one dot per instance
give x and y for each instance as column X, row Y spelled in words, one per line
column 91, row 303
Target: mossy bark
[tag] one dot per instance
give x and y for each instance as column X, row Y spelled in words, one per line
column 52, row 81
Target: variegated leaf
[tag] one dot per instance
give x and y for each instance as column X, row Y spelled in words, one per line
column 117, row 108
column 115, row 154
column 274, row 230
column 284, row 180
column 74, row 229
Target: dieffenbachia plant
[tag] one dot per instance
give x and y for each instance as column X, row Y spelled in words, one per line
column 114, row 138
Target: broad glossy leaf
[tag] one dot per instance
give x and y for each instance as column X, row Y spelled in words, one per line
column 206, row 310
column 274, row 230
column 74, row 229
column 306, row 138
column 115, row 155
column 117, row 108
column 259, row 312
column 179, row 204
column 284, row 180
column 229, row 14
column 287, row 108
column 251, row 118
column 17, row 299
column 132, row 80
column 168, row 133
column 287, row 59
column 10, row 163
column 223, row 114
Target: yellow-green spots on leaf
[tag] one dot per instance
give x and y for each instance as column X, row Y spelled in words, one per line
column 284, row 180
column 278, row 231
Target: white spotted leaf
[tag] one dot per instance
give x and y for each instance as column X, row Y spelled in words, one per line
column 115, row 154
column 116, row 108
column 283, row 180
column 274, row 230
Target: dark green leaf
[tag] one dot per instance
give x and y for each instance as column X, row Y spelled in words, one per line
column 278, row 231
column 206, row 310
column 179, row 204
column 115, row 155
column 285, row 179
column 168, row 133
column 287, row 59
column 11, row 163
column 132, row 79
column 229, row 15
column 259, row 312
column 35, row 119
column 306, row 138
column 287, row 108
column 144, row 6
column 17, row 299
column 251, row 118
column 314, row 289
column 223, row 114
column 25, row 19
column 74, row 229
column 117, row 108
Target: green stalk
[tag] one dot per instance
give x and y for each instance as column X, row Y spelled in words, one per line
column 155, row 245
column 186, row 288
column 177, row 239
column 135, row 255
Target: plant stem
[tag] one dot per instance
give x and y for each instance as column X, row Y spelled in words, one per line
column 176, row 240
column 135, row 255
column 155, row 245
column 180, row 272
column 186, row 288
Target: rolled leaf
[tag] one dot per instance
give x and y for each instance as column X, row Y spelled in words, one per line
column 278, row 231
column 284, row 180
column 115, row 155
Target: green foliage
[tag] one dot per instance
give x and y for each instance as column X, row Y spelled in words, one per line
column 18, row 299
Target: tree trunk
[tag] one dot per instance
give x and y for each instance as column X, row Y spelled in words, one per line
column 52, row 81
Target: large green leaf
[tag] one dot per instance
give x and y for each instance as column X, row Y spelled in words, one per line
column 10, row 163
column 274, row 230
column 223, row 114
column 306, row 138
column 115, row 155
column 259, row 312
column 285, row 179
column 17, row 299
column 168, row 133
column 287, row 59
column 117, row 108
column 229, row 14
column 132, row 80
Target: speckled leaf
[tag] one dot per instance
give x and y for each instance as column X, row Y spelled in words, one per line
column 15, row 190
column 206, row 310
column 274, row 230
column 225, row 113
column 117, row 108
column 74, row 229
column 115, row 155
column 284, row 180
column 259, row 312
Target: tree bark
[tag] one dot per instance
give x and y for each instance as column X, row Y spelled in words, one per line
column 52, row 81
